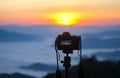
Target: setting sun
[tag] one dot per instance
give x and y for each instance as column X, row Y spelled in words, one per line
column 66, row 18
column 60, row 12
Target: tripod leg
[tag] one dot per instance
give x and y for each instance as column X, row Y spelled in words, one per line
column 66, row 72
column 58, row 73
column 67, row 64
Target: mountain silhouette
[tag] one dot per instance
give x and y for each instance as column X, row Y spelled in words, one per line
column 95, row 43
column 112, row 56
column 14, row 75
column 8, row 36
column 39, row 67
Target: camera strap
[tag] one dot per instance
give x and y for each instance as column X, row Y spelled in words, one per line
column 58, row 72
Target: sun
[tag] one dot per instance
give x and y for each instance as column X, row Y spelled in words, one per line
column 66, row 18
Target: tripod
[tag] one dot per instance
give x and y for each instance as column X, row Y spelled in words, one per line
column 67, row 44
column 66, row 64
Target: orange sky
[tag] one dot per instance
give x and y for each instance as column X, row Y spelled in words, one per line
column 32, row 12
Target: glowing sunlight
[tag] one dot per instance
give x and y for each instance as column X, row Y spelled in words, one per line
column 66, row 18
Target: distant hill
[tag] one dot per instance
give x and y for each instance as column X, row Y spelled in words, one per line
column 112, row 56
column 52, row 30
column 103, row 39
column 109, row 38
column 110, row 33
column 39, row 67
column 101, row 43
column 7, row 36
column 14, row 75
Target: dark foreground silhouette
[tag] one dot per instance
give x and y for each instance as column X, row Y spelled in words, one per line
column 15, row 75
column 94, row 69
column 91, row 69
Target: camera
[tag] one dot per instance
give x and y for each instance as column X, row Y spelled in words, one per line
column 66, row 42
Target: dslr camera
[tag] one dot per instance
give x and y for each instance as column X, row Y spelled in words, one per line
column 68, row 43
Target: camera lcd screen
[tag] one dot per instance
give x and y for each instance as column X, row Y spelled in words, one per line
column 65, row 42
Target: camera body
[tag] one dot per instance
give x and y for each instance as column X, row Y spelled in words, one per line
column 66, row 42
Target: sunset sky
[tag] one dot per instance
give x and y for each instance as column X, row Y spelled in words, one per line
column 47, row 12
